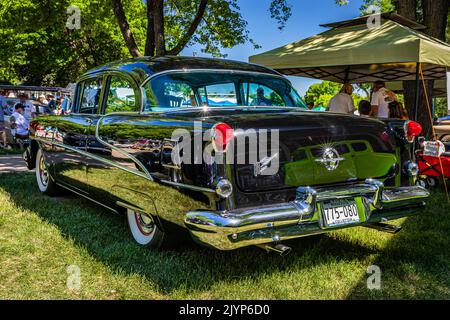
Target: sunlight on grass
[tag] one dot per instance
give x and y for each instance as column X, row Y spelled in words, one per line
column 40, row 237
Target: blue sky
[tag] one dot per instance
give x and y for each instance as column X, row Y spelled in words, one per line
column 307, row 15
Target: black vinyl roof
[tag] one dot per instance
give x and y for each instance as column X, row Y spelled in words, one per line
column 141, row 68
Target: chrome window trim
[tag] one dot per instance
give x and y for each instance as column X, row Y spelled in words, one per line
column 212, row 70
column 233, row 71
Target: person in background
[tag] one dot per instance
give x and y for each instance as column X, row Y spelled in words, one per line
column 51, row 101
column 20, row 122
column 343, row 101
column 310, row 105
column 3, row 105
column 261, row 100
column 42, row 100
column 397, row 111
column 29, row 109
column 59, row 108
column 364, row 108
column 381, row 97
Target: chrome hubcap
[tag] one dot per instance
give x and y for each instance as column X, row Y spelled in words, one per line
column 144, row 222
column 43, row 173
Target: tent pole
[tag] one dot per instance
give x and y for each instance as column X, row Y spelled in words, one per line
column 416, row 106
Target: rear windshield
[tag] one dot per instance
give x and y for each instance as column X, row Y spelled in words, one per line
column 219, row 89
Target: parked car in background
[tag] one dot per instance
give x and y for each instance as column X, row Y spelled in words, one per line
column 119, row 149
column 442, row 129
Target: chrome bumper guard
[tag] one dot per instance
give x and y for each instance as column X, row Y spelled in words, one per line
column 274, row 223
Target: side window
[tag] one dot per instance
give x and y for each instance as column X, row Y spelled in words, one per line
column 260, row 95
column 90, row 96
column 121, row 96
column 219, row 95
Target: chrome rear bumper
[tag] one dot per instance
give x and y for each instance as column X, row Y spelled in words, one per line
column 302, row 217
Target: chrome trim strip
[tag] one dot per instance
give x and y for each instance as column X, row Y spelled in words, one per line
column 280, row 76
column 100, row 159
column 85, row 196
column 97, row 128
column 187, row 186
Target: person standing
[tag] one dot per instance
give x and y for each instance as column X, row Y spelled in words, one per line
column 29, row 109
column 381, row 98
column 343, row 101
column 20, row 122
column 51, row 102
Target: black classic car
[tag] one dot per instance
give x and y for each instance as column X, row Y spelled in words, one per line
column 224, row 150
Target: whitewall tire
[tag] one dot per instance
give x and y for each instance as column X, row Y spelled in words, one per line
column 143, row 229
column 44, row 181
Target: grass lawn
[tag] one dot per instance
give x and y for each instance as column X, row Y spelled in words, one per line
column 40, row 237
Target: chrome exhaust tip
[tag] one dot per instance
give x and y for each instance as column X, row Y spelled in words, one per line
column 389, row 228
column 277, row 248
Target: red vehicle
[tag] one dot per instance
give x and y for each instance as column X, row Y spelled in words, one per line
column 432, row 167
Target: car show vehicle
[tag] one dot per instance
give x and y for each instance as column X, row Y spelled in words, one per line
column 120, row 148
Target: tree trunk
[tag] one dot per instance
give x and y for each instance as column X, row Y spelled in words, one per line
column 191, row 30
column 407, row 8
column 435, row 13
column 150, row 41
column 125, row 28
column 158, row 25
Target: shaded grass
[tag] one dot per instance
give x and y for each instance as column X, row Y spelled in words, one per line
column 40, row 237
column 10, row 151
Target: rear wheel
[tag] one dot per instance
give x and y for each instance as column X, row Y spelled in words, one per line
column 144, row 230
column 422, row 182
column 432, row 182
column 44, row 180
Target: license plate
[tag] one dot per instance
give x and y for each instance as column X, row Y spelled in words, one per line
column 340, row 212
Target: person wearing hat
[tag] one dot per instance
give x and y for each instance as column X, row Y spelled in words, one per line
column 21, row 124
column 42, row 100
column 343, row 101
column 29, row 109
column 381, row 98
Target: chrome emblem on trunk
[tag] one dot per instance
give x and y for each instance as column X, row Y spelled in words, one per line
column 330, row 159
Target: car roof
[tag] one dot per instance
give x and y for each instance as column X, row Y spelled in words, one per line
column 142, row 68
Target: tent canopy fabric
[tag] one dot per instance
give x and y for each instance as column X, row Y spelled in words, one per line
column 354, row 52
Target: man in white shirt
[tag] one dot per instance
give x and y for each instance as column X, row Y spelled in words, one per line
column 29, row 109
column 381, row 98
column 21, row 124
column 343, row 101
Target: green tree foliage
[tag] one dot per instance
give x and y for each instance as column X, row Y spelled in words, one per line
column 322, row 93
column 37, row 47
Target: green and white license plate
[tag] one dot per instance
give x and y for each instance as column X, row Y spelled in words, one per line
column 340, row 212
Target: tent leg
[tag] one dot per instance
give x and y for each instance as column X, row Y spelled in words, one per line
column 417, row 100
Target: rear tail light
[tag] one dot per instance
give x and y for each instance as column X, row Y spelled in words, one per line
column 222, row 135
column 412, row 130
